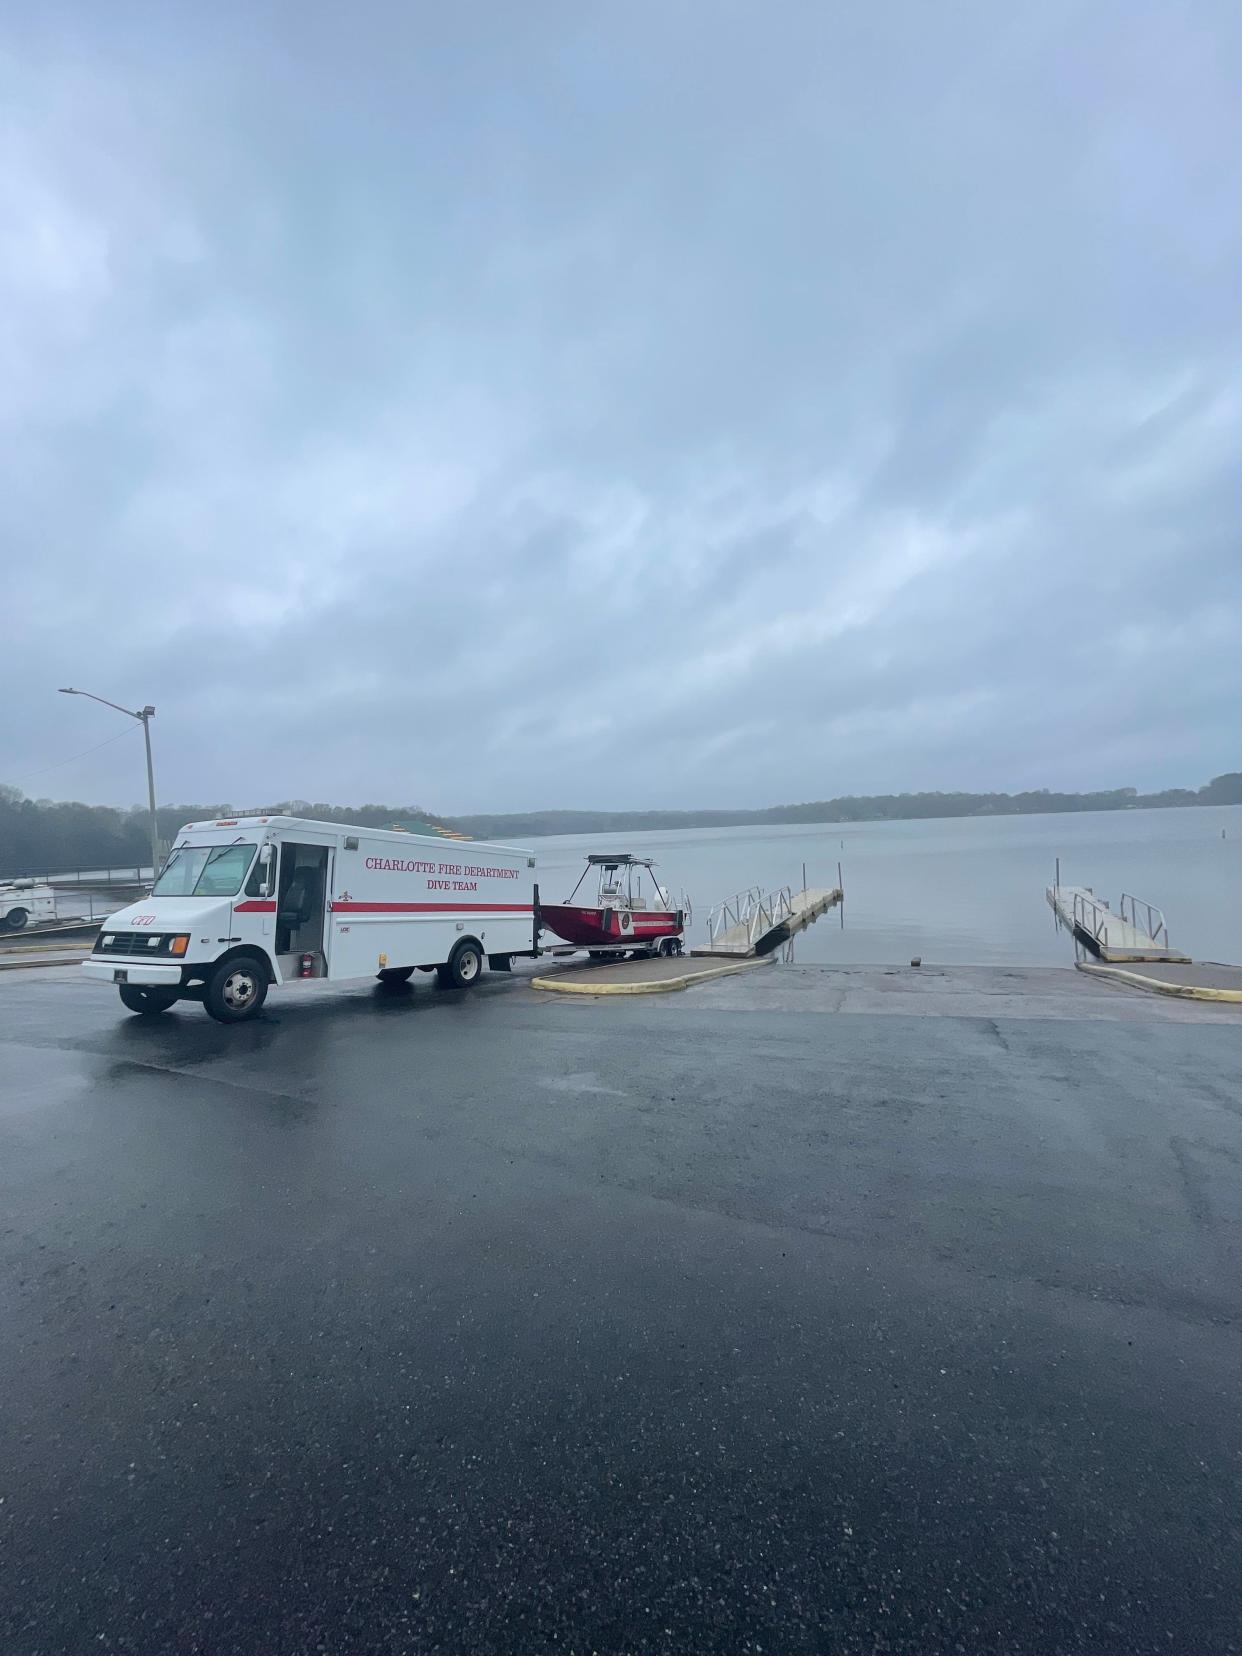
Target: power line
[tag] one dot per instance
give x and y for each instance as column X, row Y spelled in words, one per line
column 59, row 762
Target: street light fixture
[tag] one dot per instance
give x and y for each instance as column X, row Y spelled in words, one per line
column 144, row 718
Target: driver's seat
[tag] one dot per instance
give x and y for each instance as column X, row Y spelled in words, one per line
column 298, row 903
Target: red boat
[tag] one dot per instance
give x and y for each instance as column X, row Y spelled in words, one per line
column 622, row 915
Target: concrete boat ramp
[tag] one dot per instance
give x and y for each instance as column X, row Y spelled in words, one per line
column 814, row 1310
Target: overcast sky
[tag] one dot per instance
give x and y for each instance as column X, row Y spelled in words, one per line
column 655, row 405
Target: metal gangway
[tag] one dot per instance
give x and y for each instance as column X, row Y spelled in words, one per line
column 754, row 922
column 1135, row 931
column 735, row 925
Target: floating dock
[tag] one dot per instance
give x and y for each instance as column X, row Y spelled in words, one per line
column 755, row 922
column 1136, row 932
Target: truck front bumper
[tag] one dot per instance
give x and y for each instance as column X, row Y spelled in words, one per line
column 145, row 972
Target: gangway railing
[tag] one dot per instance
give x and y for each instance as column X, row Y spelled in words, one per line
column 732, row 913
column 1091, row 915
column 740, row 921
column 1144, row 916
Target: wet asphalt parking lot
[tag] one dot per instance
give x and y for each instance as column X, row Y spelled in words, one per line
column 418, row 1321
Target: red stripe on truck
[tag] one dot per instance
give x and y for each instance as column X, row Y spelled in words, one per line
column 257, row 906
column 432, row 908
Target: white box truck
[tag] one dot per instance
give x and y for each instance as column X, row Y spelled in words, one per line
column 247, row 902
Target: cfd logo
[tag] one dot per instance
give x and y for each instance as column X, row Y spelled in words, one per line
column 143, row 920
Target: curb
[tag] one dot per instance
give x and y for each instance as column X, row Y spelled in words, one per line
column 32, row 937
column 34, row 965
column 1186, row 991
column 654, row 986
column 48, row 944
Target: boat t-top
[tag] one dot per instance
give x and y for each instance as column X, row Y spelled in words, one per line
column 630, row 908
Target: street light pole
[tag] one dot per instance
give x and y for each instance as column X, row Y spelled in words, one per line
column 147, row 714
column 144, row 718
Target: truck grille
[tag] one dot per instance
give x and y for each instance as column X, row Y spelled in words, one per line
column 134, row 945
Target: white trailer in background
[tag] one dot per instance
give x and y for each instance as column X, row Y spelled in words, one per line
column 247, row 902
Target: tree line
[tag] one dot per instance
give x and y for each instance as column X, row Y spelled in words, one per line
column 40, row 836
column 1221, row 790
column 45, row 835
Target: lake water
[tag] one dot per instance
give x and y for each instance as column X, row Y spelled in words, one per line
column 966, row 890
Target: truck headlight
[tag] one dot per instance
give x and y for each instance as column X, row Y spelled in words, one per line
column 179, row 945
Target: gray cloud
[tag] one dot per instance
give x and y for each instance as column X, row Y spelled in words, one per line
column 697, row 407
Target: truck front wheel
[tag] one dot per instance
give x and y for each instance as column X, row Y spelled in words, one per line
column 462, row 968
column 137, row 999
column 236, row 989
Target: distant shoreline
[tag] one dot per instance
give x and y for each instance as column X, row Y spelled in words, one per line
column 1222, row 790
column 38, row 835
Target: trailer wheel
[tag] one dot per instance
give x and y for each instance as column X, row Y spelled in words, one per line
column 16, row 919
column 236, row 989
column 395, row 974
column 137, row 999
column 462, row 967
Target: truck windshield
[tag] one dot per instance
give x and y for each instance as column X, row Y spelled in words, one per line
column 204, row 871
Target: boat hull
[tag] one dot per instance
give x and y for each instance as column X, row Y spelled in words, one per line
column 605, row 928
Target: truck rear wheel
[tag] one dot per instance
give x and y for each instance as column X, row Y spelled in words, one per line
column 137, row 999
column 16, row 919
column 462, row 967
column 236, row 989
column 395, row 974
